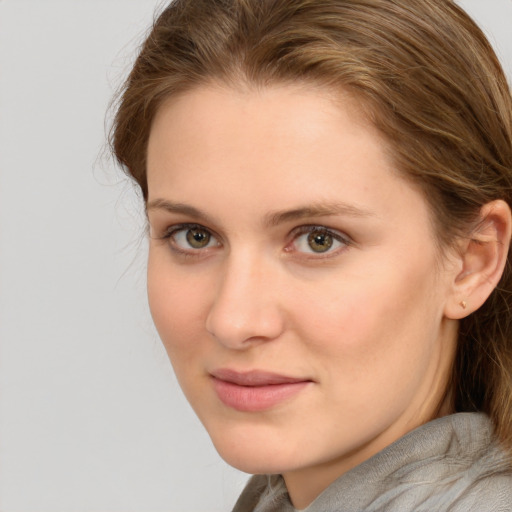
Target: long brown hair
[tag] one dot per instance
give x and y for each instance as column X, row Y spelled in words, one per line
column 428, row 79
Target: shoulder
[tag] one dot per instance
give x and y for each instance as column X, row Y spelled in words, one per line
column 490, row 494
column 464, row 470
column 453, row 464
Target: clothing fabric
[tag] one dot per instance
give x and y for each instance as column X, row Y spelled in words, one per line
column 451, row 464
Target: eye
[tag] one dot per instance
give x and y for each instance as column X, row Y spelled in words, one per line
column 191, row 237
column 318, row 240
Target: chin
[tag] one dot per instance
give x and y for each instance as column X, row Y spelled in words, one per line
column 259, row 463
column 261, row 454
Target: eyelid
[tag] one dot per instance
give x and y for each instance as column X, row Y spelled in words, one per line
column 294, row 234
column 168, row 231
column 308, row 228
column 171, row 231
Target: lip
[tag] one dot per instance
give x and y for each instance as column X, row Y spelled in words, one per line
column 255, row 390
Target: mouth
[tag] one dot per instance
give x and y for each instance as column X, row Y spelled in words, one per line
column 255, row 390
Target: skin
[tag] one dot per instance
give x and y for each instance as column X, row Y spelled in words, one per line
column 364, row 322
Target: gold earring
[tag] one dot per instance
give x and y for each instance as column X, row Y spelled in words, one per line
column 463, row 304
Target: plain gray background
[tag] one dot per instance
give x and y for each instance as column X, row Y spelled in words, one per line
column 91, row 417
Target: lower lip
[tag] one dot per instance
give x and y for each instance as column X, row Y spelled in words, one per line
column 255, row 398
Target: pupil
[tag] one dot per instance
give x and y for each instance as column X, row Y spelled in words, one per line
column 319, row 242
column 198, row 238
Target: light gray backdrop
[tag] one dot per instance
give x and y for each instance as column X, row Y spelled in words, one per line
column 91, row 417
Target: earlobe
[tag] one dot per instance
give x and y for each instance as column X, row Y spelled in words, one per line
column 482, row 260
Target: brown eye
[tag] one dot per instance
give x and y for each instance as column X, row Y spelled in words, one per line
column 198, row 238
column 320, row 240
column 187, row 238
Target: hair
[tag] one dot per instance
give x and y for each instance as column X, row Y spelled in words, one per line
column 429, row 81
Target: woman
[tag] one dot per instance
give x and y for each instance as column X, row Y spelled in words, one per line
column 328, row 188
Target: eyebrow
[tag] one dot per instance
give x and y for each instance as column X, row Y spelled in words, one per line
column 317, row 210
column 171, row 207
column 272, row 218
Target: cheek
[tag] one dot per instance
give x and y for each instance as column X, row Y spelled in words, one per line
column 372, row 344
column 367, row 321
column 176, row 304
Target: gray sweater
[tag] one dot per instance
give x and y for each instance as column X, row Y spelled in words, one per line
column 452, row 464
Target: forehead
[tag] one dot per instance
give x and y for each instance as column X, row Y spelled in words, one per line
column 260, row 150
column 224, row 124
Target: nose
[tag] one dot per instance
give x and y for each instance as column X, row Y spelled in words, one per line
column 246, row 308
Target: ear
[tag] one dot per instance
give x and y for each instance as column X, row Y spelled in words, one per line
column 481, row 260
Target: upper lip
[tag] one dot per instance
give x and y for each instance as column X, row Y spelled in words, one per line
column 254, row 377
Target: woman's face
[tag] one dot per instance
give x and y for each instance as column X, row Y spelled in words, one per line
column 294, row 279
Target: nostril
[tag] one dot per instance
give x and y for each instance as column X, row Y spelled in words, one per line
column 240, row 328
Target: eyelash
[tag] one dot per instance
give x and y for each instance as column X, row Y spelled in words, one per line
column 294, row 236
column 173, row 231
column 336, row 235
